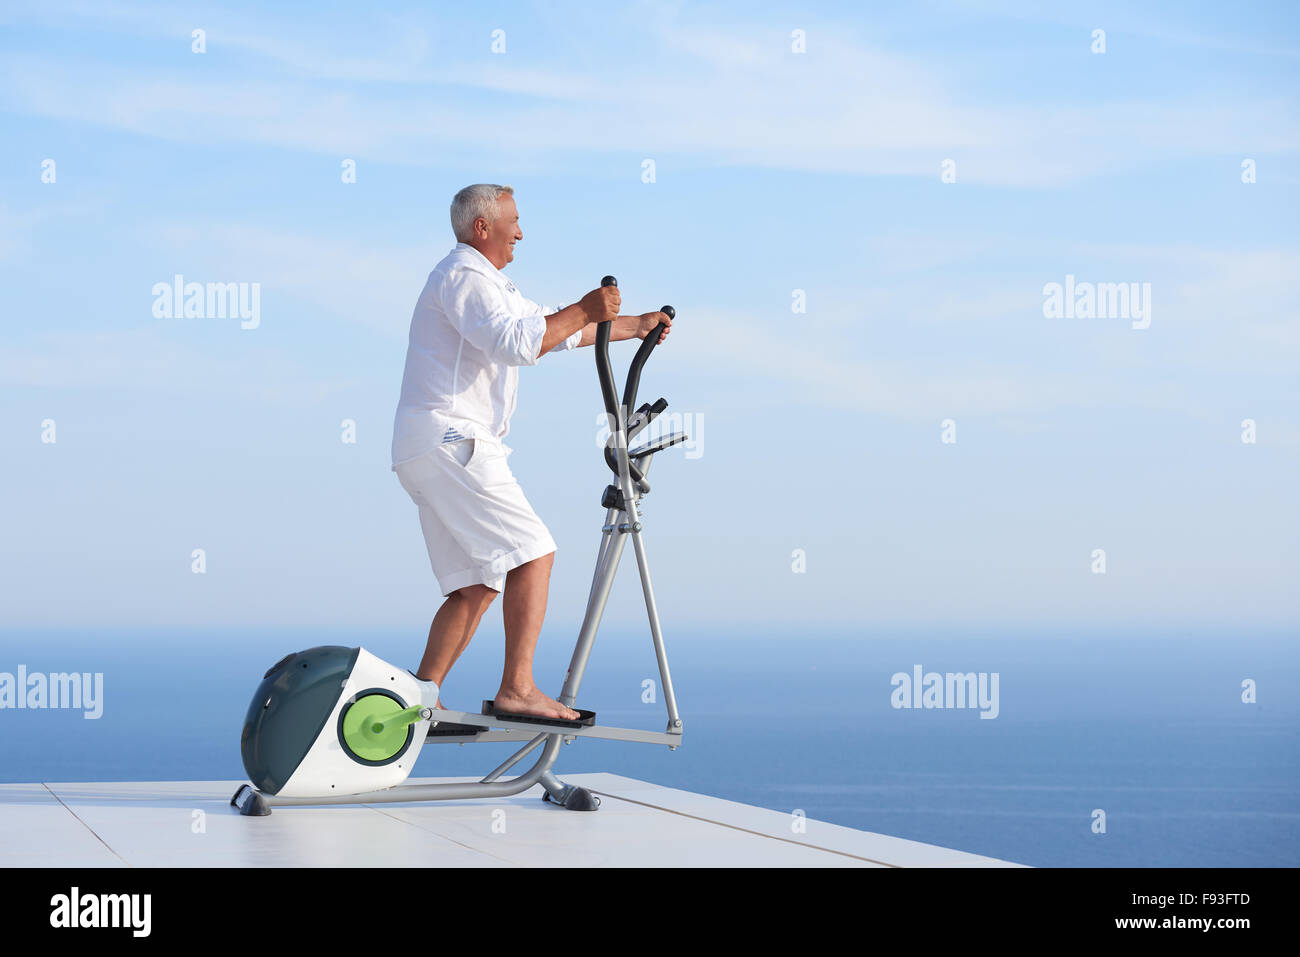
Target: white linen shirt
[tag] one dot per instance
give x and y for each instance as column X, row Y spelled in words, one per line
column 470, row 333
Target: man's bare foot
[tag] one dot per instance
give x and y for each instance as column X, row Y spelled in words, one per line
column 532, row 702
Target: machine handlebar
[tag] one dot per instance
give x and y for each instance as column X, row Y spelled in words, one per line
column 605, row 372
column 603, row 369
column 642, row 354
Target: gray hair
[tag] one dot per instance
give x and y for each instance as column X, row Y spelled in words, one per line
column 475, row 202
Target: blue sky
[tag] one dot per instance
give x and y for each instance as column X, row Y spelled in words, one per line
column 775, row 171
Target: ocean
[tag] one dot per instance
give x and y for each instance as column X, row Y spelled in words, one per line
column 1143, row 729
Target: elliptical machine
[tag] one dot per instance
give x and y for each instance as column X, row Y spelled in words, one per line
column 338, row 725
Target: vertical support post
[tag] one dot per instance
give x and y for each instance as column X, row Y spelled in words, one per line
column 670, row 698
column 591, row 621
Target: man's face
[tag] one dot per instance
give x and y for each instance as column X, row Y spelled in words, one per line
column 496, row 240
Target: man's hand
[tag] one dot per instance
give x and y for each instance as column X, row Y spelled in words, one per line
column 601, row 305
column 646, row 324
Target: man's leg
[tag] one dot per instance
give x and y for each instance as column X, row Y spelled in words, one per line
column 452, row 628
column 523, row 608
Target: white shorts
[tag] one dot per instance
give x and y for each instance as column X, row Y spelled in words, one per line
column 477, row 524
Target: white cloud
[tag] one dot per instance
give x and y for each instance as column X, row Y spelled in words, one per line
column 781, row 368
column 726, row 97
column 155, row 359
column 376, row 287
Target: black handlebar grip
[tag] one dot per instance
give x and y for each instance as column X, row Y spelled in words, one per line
column 604, row 371
column 642, row 354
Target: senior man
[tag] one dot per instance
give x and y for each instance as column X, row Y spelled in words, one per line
column 471, row 331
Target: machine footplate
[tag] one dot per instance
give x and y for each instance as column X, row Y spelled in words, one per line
column 450, row 729
column 587, row 720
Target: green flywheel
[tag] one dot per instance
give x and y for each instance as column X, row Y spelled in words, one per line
column 375, row 727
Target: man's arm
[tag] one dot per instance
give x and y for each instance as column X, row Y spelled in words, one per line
column 599, row 305
column 624, row 327
column 564, row 323
column 628, row 327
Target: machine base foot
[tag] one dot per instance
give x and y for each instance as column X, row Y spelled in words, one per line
column 249, row 802
column 573, row 799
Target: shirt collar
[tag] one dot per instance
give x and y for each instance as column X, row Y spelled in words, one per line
column 502, row 280
column 474, row 252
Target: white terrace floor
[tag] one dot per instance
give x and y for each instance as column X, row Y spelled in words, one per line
column 191, row 824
